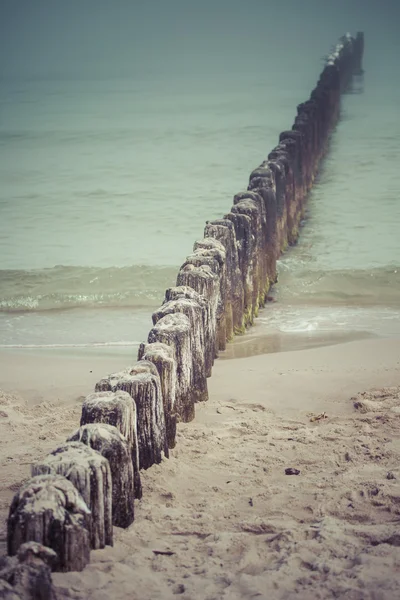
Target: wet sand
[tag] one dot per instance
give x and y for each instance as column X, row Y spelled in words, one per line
column 236, row 525
column 256, row 341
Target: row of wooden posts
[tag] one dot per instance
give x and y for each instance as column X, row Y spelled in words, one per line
column 88, row 485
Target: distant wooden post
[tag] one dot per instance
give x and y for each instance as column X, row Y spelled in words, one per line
column 224, row 231
column 281, row 155
column 48, row 509
column 255, row 274
column 262, row 183
column 90, row 473
column 244, row 243
column 358, row 53
column 252, row 204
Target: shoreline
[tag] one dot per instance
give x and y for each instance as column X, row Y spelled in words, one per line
column 45, row 376
column 280, row 326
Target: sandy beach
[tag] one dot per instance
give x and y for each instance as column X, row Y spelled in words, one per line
column 220, row 518
column 178, row 173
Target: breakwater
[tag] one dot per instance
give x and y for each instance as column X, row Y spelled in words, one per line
column 89, row 484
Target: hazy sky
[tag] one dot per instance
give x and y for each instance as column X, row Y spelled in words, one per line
column 125, row 37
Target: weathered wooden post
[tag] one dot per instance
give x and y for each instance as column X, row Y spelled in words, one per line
column 174, row 330
column 358, row 53
column 321, row 95
column 194, row 312
column 90, row 473
column 28, row 575
column 110, row 443
column 330, row 82
column 245, row 242
column 211, row 252
column 142, row 383
column 213, row 248
column 7, row 591
column 48, row 509
column 224, row 320
column 224, row 231
column 252, row 204
column 206, row 282
column 254, row 269
column 162, row 357
column 301, row 144
column 262, row 182
column 118, row 409
column 215, row 260
column 292, row 150
column 303, row 123
column 277, row 169
column 292, row 217
column 208, row 328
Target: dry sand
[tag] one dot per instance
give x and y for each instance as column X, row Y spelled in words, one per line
column 235, row 525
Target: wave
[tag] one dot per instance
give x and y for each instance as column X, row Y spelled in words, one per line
column 121, row 344
column 68, row 287
column 351, row 287
column 62, row 137
column 143, row 287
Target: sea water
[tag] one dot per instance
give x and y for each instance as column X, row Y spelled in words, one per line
column 107, row 182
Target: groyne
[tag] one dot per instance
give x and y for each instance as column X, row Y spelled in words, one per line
column 81, row 489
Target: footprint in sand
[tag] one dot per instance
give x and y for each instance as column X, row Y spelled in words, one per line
column 378, row 400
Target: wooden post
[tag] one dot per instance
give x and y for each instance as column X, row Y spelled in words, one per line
column 252, row 204
column 292, row 216
column 208, row 328
column 206, row 282
column 28, row 575
column 7, row 592
column 174, row 330
column 358, row 53
column 291, row 148
column 254, row 269
column 162, row 357
column 118, row 409
column 246, row 243
column 304, row 168
column 30, row 552
column 224, row 231
column 90, row 473
column 211, row 247
column 142, row 383
column 194, row 312
column 279, row 180
column 110, row 443
column 49, row 510
column 262, row 182
column 216, row 261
